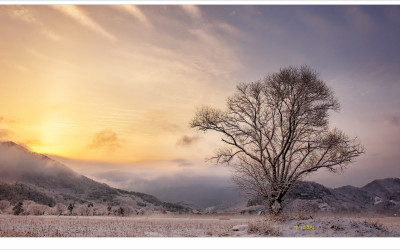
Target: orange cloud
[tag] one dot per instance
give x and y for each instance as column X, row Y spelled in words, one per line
column 192, row 10
column 79, row 16
column 135, row 12
column 27, row 16
column 106, row 138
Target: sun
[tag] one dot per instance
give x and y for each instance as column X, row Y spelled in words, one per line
column 51, row 137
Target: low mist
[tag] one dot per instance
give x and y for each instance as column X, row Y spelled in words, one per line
column 18, row 163
column 202, row 191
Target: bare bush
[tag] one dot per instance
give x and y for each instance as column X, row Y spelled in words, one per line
column 265, row 227
column 375, row 225
column 4, row 206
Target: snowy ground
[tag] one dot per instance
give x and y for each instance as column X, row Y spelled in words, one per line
column 196, row 226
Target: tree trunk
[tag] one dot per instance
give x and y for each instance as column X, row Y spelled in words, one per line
column 275, row 206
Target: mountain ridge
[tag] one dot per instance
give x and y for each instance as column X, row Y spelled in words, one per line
column 379, row 196
column 26, row 175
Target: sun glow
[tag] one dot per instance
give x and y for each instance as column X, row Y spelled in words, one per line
column 50, row 138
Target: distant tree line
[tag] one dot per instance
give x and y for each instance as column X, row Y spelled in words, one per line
column 29, row 207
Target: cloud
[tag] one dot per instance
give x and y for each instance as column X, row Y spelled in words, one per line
column 359, row 18
column 182, row 162
column 216, row 55
column 229, row 29
column 316, row 22
column 79, row 16
column 27, row 16
column 187, row 140
column 201, row 190
column 135, row 12
column 154, row 120
column 49, row 58
column 51, row 35
column 192, row 10
column 106, row 138
column 18, row 163
column 23, row 14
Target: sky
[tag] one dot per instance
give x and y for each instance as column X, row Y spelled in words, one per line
column 110, row 90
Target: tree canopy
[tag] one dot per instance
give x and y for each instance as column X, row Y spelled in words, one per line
column 276, row 131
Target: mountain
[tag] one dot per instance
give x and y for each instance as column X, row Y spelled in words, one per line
column 388, row 189
column 380, row 196
column 25, row 175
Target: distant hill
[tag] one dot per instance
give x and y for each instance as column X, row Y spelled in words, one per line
column 380, row 196
column 25, row 175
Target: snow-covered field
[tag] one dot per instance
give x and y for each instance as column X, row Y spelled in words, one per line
column 195, row 226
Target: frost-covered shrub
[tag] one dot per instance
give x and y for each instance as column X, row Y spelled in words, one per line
column 4, row 206
column 265, row 227
column 60, row 208
column 79, row 209
column 100, row 210
column 33, row 208
column 36, row 209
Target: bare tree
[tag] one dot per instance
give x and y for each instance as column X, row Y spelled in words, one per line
column 71, row 207
column 89, row 209
column 276, row 131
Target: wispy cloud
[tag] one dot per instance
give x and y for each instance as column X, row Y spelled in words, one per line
column 27, row 16
column 80, row 16
column 316, row 22
column 216, row 55
column 188, row 185
column 48, row 58
column 182, row 162
column 135, row 12
column 359, row 18
column 106, row 138
column 156, row 120
column 228, row 29
column 192, row 10
column 23, row 14
column 187, row 140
